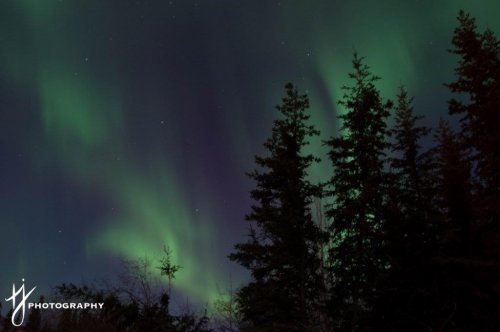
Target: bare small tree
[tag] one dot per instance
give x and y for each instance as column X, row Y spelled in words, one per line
column 138, row 281
column 226, row 315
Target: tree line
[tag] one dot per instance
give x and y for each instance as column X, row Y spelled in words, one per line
column 411, row 236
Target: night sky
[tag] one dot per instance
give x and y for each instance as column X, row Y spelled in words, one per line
column 126, row 125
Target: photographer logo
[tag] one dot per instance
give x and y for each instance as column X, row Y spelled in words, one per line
column 20, row 308
column 19, row 299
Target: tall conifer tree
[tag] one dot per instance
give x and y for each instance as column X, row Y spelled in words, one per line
column 282, row 252
column 477, row 87
column 411, row 225
column 455, row 299
column 476, row 217
column 357, row 257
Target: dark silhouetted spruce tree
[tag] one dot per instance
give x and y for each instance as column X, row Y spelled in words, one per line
column 454, row 299
column 466, row 289
column 358, row 257
column 282, row 250
column 477, row 87
column 474, row 256
column 411, row 225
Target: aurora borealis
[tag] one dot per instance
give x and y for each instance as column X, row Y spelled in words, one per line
column 127, row 125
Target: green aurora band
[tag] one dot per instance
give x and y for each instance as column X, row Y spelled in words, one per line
column 82, row 113
column 82, row 121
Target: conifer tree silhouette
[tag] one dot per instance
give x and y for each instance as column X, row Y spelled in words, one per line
column 282, row 249
column 358, row 256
